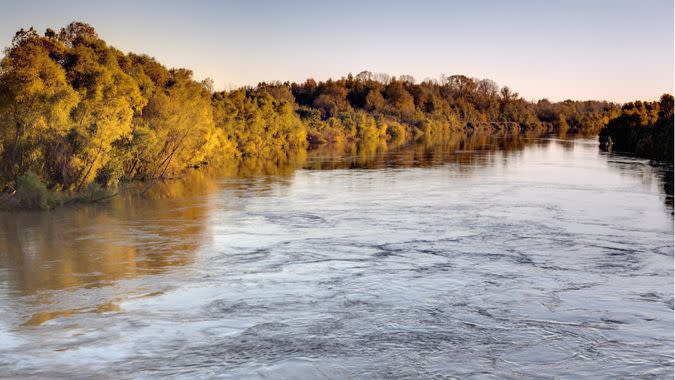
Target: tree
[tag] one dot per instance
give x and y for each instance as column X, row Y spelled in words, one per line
column 109, row 98
column 399, row 99
column 177, row 129
column 35, row 103
column 77, row 32
column 644, row 129
column 374, row 100
column 666, row 106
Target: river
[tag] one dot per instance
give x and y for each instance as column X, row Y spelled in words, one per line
column 489, row 258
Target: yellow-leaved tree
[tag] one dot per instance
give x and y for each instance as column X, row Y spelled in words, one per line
column 35, row 104
column 178, row 123
column 109, row 97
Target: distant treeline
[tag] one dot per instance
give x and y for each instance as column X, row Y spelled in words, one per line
column 400, row 107
column 644, row 129
column 76, row 113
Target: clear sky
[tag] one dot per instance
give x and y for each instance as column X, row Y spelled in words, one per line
column 616, row 50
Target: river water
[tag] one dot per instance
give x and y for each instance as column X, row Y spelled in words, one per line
column 488, row 258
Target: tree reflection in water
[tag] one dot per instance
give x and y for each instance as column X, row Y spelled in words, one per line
column 152, row 228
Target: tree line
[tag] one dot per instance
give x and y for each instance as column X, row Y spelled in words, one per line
column 399, row 106
column 644, row 129
column 76, row 112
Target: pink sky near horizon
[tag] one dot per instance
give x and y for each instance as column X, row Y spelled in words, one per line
column 616, row 50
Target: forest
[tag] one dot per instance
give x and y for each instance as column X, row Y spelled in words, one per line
column 79, row 116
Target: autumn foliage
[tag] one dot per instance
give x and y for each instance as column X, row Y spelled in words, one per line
column 75, row 111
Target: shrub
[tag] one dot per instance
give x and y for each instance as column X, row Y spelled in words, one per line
column 32, row 193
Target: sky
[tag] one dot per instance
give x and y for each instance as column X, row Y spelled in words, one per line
column 615, row 50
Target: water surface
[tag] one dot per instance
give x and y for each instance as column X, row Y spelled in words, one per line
column 490, row 257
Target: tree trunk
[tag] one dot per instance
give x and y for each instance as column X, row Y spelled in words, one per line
column 91, row 165
column 15, row 149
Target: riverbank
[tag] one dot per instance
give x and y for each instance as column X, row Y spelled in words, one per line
column 32, row 193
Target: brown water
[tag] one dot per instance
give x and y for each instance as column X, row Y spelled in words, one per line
column 489, row 257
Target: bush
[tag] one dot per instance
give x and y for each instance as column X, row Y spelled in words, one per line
column 95, row 193
column 32, row 193
column 627, row 133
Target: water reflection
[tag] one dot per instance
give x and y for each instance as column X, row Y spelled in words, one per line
column 650, row 173
column 85, row 247
column 466, row 151
column 88, row 259
column 152, row 227
column 97, row 244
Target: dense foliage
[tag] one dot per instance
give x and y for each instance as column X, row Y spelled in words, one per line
column 644, row 129
column 77, row 114
column 75, row 111
column 396, row 106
